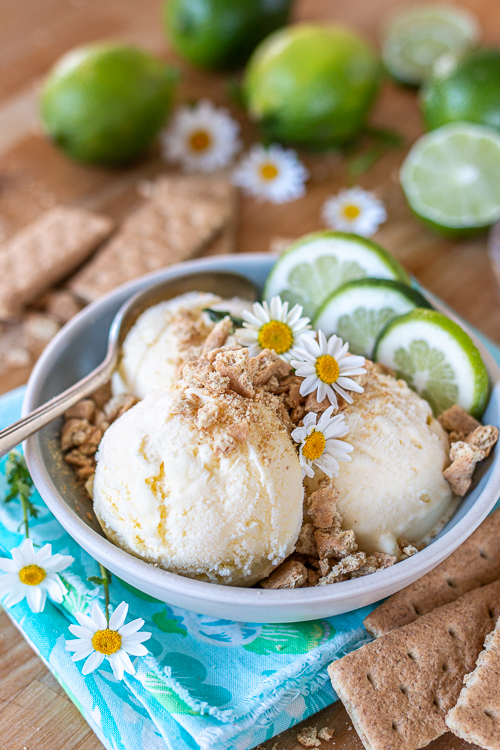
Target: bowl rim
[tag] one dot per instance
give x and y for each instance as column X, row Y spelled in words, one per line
column 212, row 593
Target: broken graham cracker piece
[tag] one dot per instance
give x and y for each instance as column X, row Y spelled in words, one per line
column 466, row 454
column 457, row 422
column 45, row 252
column 475, row 563
column 291, row 574
column 181, row 217
column 323, row 507
column 335, row 542
column 398, row 689
column 308, row 737
column 476, row 716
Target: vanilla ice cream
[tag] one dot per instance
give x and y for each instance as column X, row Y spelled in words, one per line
column 164, row 338
column 206, row 486
column 394, row 486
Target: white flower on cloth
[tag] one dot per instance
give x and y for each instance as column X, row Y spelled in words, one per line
column 354, row 210
column 326, row 367
column 319, row 446
column 33, row 575
column 271, row 326
column 273, row 173
column 97, row 640
column 202, row 138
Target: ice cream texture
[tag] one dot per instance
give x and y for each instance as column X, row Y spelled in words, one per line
column 163, row 338
column 200, row 483
column 394, row 486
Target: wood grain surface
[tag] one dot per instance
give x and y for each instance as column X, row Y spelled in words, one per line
column 34, row 713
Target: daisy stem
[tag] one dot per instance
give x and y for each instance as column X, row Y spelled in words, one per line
column 26, row 516
column 105, row 583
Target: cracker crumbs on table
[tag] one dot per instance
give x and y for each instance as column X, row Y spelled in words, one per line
column 325, row 734
column 308, row 737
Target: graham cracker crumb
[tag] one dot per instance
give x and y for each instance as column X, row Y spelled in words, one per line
column 457, row 421
column 335, row 543
column 323, row 508
column 325, row 734
column 291, row 574
column 340, row 571
column 306, row 544
column 308, row 737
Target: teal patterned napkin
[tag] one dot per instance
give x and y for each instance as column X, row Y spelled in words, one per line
column 206, row 683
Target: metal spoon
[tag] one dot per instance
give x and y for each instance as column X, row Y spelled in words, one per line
column 224, row 284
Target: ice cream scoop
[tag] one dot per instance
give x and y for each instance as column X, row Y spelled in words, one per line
column 394, row 486
column 164, row 338
column 207, row 485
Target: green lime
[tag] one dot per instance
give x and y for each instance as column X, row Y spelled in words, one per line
column 464, row 89
column 221, row 33
column 360, row 309
column 414, row 38
column 450, row 178
column 311, row 85
column 105, row 103
column 437, row 359
column 318, row 264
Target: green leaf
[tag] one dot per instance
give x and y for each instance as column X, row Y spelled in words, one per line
column 217, row 315
column 97, row 580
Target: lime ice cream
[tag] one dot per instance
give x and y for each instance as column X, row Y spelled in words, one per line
column 164, row 338
column 394, row 486
column 179, row 492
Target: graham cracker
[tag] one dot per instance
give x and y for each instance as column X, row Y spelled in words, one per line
column 399, row 688
column 181, row 216
column 476, row 717
column 475, row 563
column 45, row 252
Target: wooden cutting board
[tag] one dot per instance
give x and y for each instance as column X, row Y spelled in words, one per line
column 34, row 713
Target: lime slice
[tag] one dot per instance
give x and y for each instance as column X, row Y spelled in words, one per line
column 437, row 359
column 450, row 177
column 317, row 264
column 416, row 37
column 359, row 310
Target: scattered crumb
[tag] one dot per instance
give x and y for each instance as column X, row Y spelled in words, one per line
column 308, row 737
column 90, row 516
column 325, row 734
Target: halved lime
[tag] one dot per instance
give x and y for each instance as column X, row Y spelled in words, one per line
column 318, row 264
column 417, row 36
column 437, row 359
column 360, row 309
column 450, row 177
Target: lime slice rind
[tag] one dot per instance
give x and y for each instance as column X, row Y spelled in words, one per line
column 437, row 359
column 416, row 37
column 359, row 310
column 458, row 191
column 317, row 264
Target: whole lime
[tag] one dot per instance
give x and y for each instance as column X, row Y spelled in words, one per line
column 221, row 33
column 105, row 103
column 464, row 89
column 311, row 85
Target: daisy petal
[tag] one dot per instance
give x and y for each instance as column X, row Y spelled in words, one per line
column 118, row 617
column 98, row 618
column 93, row 662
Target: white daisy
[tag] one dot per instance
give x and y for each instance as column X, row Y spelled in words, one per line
column 271, row 173
column 318, row 444
column 271, row 326
column 354, row 210
column 326, row 367
column 97, row 640
column 202, row 138
column 32, row 575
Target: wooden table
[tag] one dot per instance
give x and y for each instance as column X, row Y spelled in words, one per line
column 34, row 713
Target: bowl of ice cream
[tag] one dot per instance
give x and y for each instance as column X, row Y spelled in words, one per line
column 246, row 506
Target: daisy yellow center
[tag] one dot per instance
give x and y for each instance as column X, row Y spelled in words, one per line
column 314, row 446
column 327, row 369
column 351, row 211
column 276, row 335
column 32, row 575
column 107, row 641
column 268, row 171
column 200, row 140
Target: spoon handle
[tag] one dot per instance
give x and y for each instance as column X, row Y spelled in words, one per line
column 31, row 423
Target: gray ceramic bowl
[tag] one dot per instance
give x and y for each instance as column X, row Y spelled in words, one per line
column 80, row 346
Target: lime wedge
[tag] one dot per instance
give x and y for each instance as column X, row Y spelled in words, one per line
column 359, row 310
column 416, row 37
column 317, row 264
column 450, row 177
column 437, row 359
